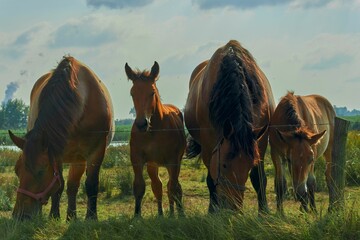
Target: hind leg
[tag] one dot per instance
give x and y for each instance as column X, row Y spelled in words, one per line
column 55, row 200
column 156, row 185
column 75, row 173
column 174, row 189
column 280, row 180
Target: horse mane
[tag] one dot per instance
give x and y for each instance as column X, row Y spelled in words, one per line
column 142, row 75
column 233, row 98
column 57, row 104
column 291, row 110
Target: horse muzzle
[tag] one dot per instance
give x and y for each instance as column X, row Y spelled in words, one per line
column 142, row 124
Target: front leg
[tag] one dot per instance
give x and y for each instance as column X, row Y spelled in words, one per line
column 311, row 184
column 75, row 173
column 55, row 200
column 214, row 204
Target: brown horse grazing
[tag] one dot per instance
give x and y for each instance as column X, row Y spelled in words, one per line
column 157, row 139
column 70, row 121
column 227, row 112
column 301, row 131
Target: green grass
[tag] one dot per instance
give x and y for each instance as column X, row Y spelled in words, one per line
column 116, row 206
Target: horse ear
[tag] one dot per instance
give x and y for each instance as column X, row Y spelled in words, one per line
column 259, row 132
column 284, row 136
column 228, row 129
column 314, row 139
column 18, row 141
column 155, row 70
column 129, row 72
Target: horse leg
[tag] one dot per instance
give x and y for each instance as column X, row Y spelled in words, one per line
column 75, row 173
column 55, row 200
column 259, row 182
column 311, row 184
column 214, row 204
column 156, row 185
column 92, row 180
column 175, row 190
column 258, row 176
column 138, row 186
column 280, row 180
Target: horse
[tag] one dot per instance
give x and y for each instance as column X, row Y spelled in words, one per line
column 70, row 121
column 157, row 139
column 301, row 130
column 227, row 113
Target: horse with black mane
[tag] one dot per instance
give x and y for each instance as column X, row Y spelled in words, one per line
column 227, row 113
column 70, row 121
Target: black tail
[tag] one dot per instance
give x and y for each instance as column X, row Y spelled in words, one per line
column 192, row 148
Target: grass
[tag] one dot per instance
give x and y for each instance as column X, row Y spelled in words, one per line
column 116, row 206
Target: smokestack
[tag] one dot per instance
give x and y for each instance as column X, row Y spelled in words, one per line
column 9, row 92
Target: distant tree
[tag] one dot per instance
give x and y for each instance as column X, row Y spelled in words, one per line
column 132, row 111
column 13, row 114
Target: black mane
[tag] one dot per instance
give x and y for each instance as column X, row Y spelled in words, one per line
column 290, row 107
column 233, row 98
column 57, row 104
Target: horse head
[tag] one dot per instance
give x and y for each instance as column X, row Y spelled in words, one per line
column 144, row 94
column 230, row 166
column 299, row 145
column 37, row 174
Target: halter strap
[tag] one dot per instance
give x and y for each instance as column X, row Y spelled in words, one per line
column 42, row 195
column 220, row 180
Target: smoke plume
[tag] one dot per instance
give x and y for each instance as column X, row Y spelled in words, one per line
column 9, row 92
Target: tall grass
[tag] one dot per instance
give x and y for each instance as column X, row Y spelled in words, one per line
column 224, row 225
column 116, row 208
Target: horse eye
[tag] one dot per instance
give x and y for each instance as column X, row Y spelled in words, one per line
column 224, row 165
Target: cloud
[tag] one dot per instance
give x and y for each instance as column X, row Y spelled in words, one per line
column 118, row 3
column 185, row 62
column 325, row 63
column 249, row 4
column 86, row 32
column 15, row 45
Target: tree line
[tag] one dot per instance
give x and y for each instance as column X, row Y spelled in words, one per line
column 13, row 114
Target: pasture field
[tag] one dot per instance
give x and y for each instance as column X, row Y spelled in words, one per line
column 116, row 206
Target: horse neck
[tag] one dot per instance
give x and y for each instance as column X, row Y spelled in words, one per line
column 158, row 112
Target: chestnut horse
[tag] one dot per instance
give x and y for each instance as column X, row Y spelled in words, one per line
column 302, row 129
column 157, row 139
column 70, row 121
column 227, row 112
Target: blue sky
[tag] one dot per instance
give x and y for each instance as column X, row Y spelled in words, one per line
column 309, row 46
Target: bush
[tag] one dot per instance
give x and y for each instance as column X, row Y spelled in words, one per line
column 8, row 157
column 125, row 180
column 117, row 156
column 5, row 204
column 319, row 170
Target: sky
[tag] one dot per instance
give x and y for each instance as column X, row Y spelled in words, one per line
column 306, row 46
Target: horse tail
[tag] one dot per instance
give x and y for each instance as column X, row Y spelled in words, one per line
column 193, row 148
